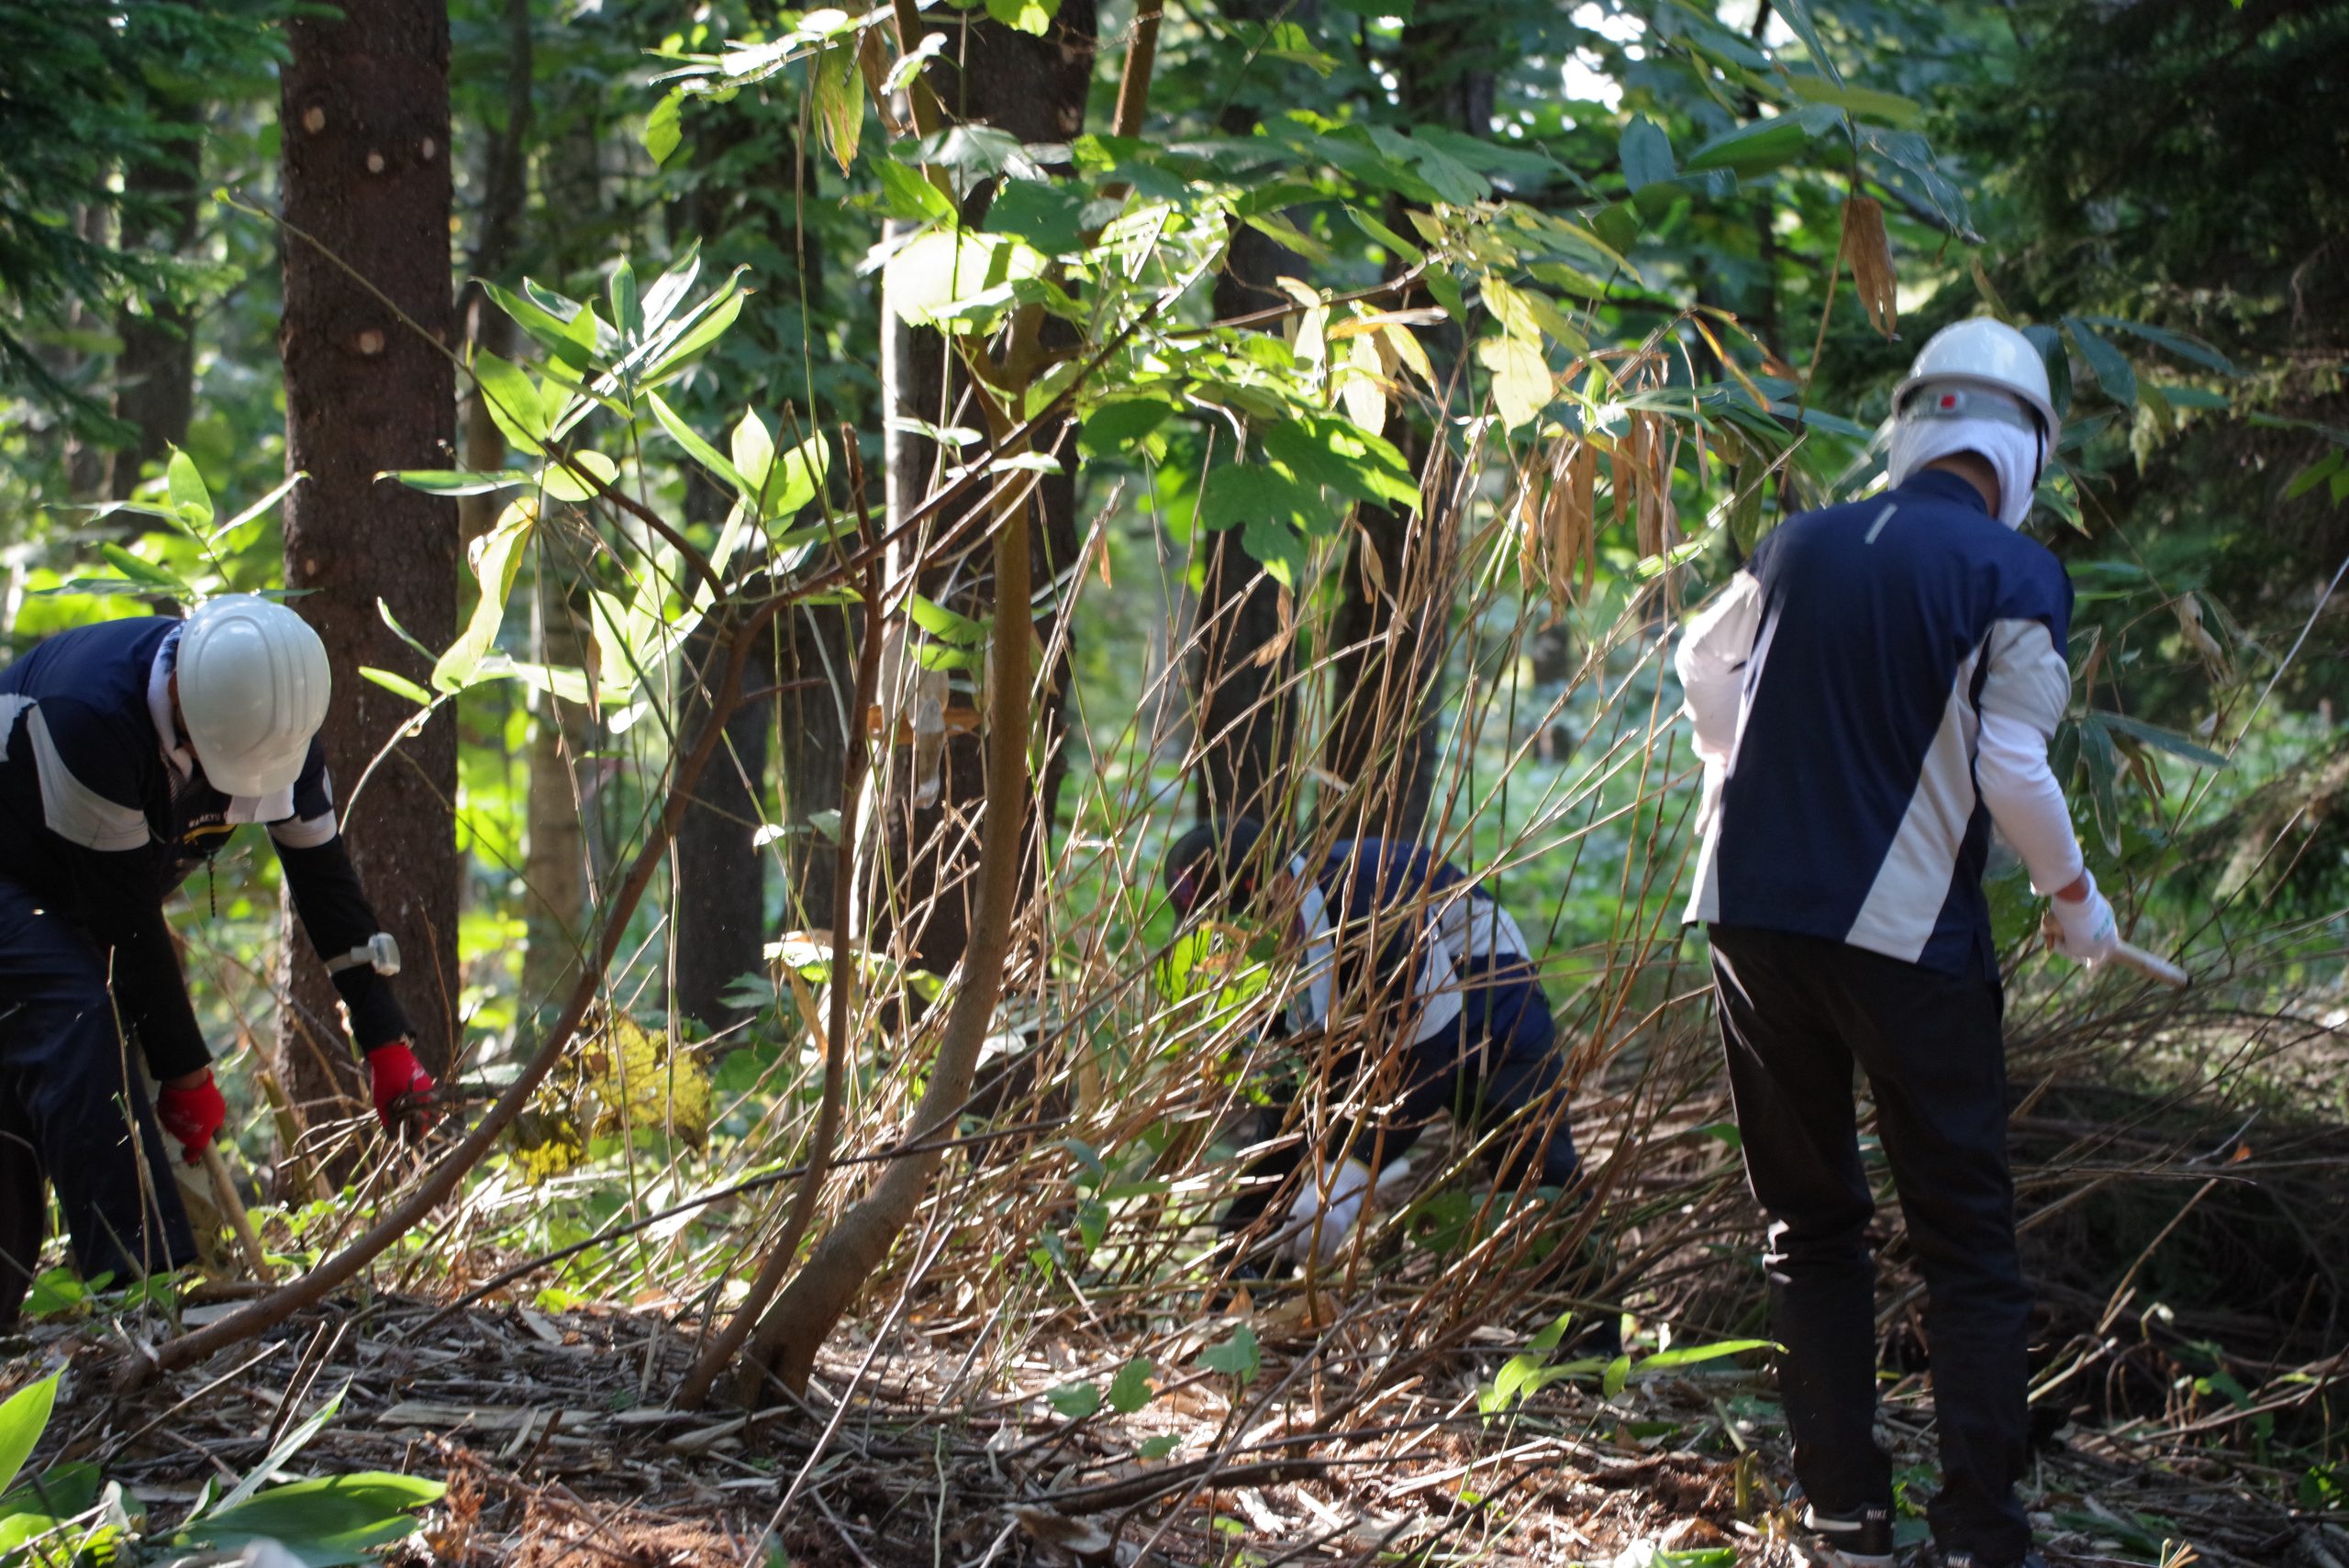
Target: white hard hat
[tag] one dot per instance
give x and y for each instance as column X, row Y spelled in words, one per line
column 253, row 685
column 1984, row 353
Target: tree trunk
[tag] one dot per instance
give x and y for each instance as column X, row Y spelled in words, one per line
column 819, row 643
column 745, row 210
column 1247, row 720
column 717, row 918
column 1035, row 89
column 155, row 371
column 1392, row 626
column 365, row 112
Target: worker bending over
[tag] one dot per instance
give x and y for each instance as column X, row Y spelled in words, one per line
column 133, row 749
column 1872, row 694
column 1414, row 996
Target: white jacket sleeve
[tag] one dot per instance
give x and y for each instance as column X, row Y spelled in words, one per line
column 2024, row 693
column 1712, row 662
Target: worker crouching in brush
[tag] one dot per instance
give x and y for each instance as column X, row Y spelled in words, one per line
column 132, row 750
column 1872, row 694
column 1452, row 1019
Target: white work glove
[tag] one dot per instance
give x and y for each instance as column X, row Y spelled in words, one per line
column 1337, row 1211
column 2083, row 929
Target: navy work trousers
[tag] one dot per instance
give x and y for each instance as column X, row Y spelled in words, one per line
column 71, row 1102
column 1500, row 1070
column 1796, row 1013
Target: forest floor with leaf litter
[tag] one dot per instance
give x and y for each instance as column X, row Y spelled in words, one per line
column 549, row 1431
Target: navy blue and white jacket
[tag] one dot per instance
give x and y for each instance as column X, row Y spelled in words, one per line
column 103, row 813
column 1387, row 924
column 1843, row 688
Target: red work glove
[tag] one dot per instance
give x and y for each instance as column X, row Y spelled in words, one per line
column 403, row 1089
column 192, row 1114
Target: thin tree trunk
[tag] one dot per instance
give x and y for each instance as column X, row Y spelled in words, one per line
column 1246, row 723
column 155, row 371
column 747, row 210
column 555, row 846
column 365, row 112
column 1034, row 88
column 1392, row 626
column 718, row 919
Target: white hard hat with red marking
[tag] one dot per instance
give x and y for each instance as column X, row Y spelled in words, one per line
column 1980, row 353
column 253, row 684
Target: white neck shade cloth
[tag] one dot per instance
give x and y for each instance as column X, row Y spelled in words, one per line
column 2014, row 454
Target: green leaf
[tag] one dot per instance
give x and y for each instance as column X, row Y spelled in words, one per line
column 1522, row 384
column 1867, row 102
column 147, row 574
column 839, row 93
column 942, row 278
column 334, row 1521
column 911, row 194
column 753, row 451
column 398, row 685
column 1665, row 1361
column 452, row 482
column 1116, row 427
column 564, row 480
column 1325, row 449
column 625, row 314
column 1160, row 1446
column 1385, row 236
column 2312, row 476
column 1074, row 1400
column 2109, row 364
column 1758, row 148
column 513, row 402
column 792, row 483
column 2099, row 756
column 292, row 1444
column 497, row 556
column 1239, row 1357
column 1049, row 217
column 2178, row 343
column 945, row 624
column 2168, row 740
column 1798, row 15
column 701, row 451
column 708, row 327
column 559, row 335
column 1130, row 1390
column 22, row 1421
column 1025, row 16
column 62, row 1491
column 1646, row 152
column 663, row 130
column 1618, row 1374
column 189, row 497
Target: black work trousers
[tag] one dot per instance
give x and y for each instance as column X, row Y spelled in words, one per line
column 1797, row 1012
column 71, row 1106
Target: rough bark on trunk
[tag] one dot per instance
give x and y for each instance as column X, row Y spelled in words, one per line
column 365, row 112
column 1391, row 628
column 155, row 371
column 1246, row 723
column 1035, row 89
column 744, row 208
column 717, row 918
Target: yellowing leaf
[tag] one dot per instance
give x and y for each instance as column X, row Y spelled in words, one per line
column 840, row 101
column 1522, row 384
column 1868, row 252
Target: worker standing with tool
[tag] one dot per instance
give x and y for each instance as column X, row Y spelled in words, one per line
column 1446, row 1015
column 132, row 750
column 1872, row 694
